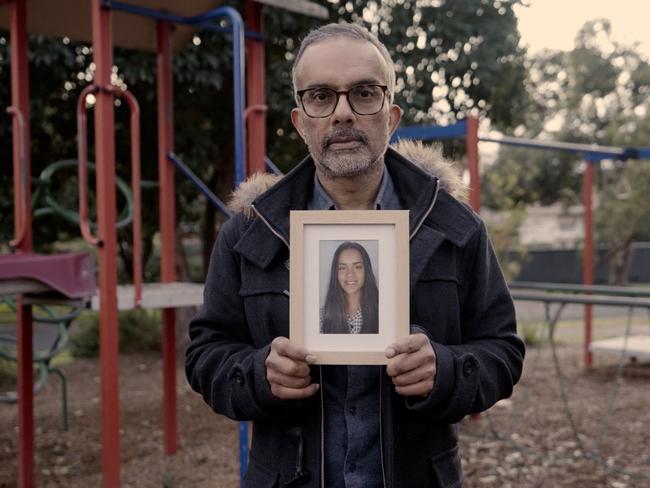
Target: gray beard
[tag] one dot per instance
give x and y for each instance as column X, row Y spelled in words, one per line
column 348, row 166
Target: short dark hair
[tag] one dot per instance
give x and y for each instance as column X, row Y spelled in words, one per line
column 352, row 31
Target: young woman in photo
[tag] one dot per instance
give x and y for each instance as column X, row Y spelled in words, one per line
column 352, row 297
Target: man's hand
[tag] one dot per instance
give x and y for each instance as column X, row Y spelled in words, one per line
column 412, row 365
column 287, row 370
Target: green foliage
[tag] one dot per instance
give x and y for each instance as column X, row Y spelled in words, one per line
column 525, row 176
column 531, row 332
column 139, row 330
column 452, row 58
column 504, row 233
column 595, row 93
column 622, row 214
column 8, row 373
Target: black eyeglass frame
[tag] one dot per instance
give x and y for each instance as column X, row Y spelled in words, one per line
column 300, row 93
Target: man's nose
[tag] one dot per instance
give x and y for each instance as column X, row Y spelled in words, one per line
column 343, row 113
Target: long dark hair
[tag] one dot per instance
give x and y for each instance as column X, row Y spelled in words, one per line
column 334, row 317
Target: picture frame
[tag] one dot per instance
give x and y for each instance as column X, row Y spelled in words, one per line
column 345, row 319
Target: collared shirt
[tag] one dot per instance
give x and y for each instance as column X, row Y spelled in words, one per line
column 351, row 394
column 355, row 321
column 387, row 198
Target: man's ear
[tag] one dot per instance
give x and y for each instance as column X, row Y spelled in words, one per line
column 394, row 116
column 296, row 120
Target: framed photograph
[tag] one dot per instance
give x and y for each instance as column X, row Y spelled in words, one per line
column 349, row 280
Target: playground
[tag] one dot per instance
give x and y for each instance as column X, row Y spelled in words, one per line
column 578, row 417
column 535, row 445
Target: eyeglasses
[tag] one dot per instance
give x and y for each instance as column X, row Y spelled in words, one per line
column 322, row 102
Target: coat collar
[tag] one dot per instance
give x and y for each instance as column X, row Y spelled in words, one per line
column 449, row 219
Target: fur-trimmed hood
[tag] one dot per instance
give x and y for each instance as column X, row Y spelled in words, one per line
column 429, row 158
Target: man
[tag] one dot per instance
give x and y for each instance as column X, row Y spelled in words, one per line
column 355, row 426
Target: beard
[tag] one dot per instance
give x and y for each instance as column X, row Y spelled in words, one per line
column 345, row 163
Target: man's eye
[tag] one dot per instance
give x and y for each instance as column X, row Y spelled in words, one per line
column 321, row 96
column 365, row 92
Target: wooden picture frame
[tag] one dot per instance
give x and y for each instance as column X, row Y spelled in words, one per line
column 316, row 238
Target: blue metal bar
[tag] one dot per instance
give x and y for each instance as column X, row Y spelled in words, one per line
column 271, row 166
column 643, row 153
column 239, row 78
column 198, row 21
column 427, row 132
column 591, row 152
column 212, row 198
column 243, row 451
column 625, row 291
column 145, row 12
column 237, row 26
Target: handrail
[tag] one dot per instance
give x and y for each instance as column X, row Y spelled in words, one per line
column 254, row 108
column 576, row 288
column 135, row 189
column 583, row 299
column 238, row 41
column 270, row 165
column 84, row 221
column 20, row 226
column 82, row 149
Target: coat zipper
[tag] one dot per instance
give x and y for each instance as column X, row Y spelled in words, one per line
column 322, row 429
column 277, row 234
column 415, row 231
column 320, row 370
column 381, row 431
column 426, row 214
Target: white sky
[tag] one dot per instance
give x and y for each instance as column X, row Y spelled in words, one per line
column 554, row 23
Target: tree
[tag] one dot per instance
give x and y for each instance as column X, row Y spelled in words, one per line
column 595, row 93
column 452, row 58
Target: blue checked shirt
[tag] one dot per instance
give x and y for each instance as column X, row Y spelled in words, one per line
column 351, row 393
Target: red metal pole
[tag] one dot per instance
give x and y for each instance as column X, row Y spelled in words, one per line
column 256, row 132
column 23, row 241
column 166, row 197
column 472, row 158
column 106, row 219
column 587, row 258
column 82, row 154
column 136, row 178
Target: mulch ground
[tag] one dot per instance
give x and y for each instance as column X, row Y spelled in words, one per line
column 525, row 441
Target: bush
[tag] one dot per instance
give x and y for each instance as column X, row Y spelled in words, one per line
column 8, row 373
column 531, row 332
column 139, row 330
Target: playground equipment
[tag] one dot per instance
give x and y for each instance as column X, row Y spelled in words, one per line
column 43, row 360
column 136, row 25
column 592, row 154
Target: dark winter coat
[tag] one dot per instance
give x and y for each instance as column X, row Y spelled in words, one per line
column 458, row 296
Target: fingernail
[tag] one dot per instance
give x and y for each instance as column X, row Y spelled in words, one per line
column 310, row 359
column 390, row 352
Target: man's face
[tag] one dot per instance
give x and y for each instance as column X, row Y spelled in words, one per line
column 344, row 144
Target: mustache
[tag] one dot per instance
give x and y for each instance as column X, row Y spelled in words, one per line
column 344, row 132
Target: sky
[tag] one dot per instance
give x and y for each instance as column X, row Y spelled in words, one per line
column 554, row 23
